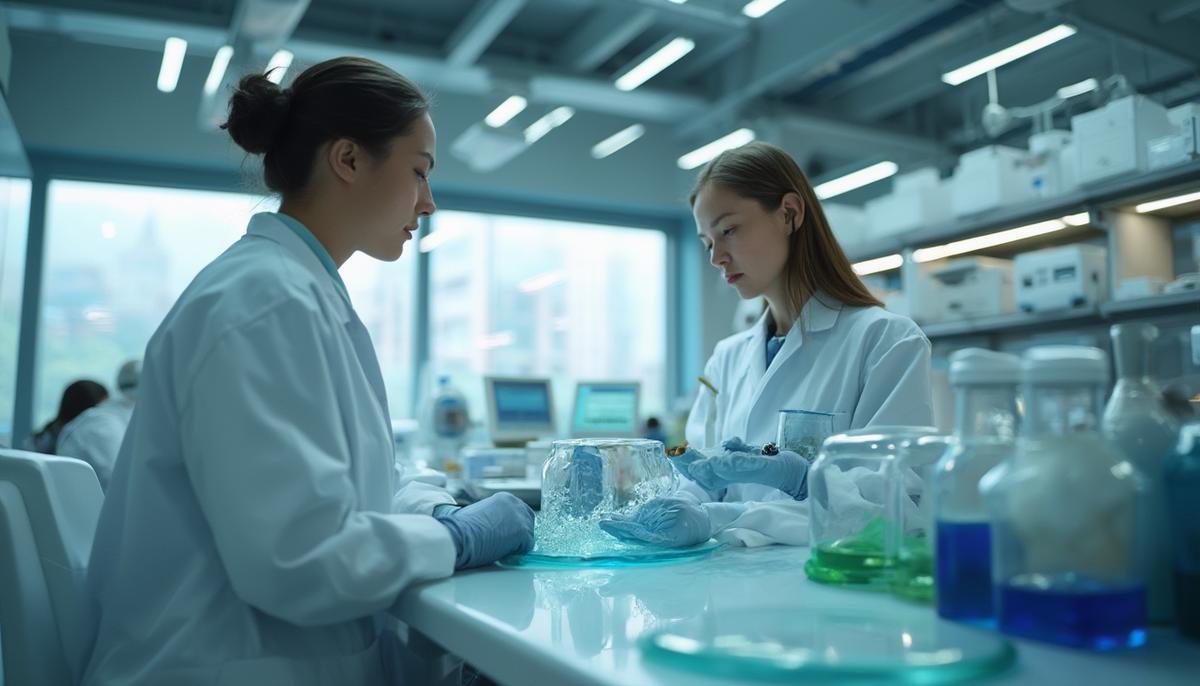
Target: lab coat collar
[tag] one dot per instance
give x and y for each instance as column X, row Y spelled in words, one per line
column 820, row 313
column 269, row 226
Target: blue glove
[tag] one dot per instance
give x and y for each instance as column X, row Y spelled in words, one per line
column 745, row 463
column 683, row 464
column 672, row 522
column 491, row 529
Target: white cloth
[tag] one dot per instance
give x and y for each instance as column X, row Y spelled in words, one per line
column 249, row 534
column 95, row 435
column 867, row 365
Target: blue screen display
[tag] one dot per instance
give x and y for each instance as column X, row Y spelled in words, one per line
column 522, row 402
column 606, row 408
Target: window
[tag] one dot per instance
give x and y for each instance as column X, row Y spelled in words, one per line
column 383, row 294
column 514, row 296
column 117, row 258
column 14, row 227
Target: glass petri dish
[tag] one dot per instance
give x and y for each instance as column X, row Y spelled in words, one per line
column 806, row 644
column 626, row 555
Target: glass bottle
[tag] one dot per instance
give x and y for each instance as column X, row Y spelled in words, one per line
column 1066, row 511
column 910, row 507
column 985, row 432
column 1181, row 479
column 1138, row 421
column 803, row 432
column 848, row 488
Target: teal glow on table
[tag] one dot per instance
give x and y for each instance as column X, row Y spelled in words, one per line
column 581, row 627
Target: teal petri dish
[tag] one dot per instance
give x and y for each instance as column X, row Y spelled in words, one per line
column 830, row 645
column 627, row 555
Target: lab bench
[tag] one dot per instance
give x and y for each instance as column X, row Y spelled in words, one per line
column 581, row 627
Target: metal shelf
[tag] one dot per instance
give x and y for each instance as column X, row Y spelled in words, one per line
column 1107, row 192
column 1158, row 305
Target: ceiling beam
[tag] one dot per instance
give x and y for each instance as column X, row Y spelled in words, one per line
column 1135, row 21
column 481, row 26
column 602, row 36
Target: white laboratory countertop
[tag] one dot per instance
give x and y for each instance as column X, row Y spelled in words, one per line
column 577, row 627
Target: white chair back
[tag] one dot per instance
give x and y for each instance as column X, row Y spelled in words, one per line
column 49, row 507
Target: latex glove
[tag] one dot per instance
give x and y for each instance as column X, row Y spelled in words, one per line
column 683, row 463
column 745, row 463
column 672, row 522
column 489, row 530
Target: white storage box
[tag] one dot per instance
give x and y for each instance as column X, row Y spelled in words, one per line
column 974, row 287
column 849, row 223
column 1113, row 139
column 1138, row 287
column 990, row 177
column 917, row 200
column 1181, row 147
column 1050, row 152
column 1061, row 278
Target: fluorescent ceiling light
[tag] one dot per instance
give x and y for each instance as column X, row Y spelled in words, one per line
column 542, row 281
column 757, row 8
column 278, row 66
column 217, row 73
column 1168, row 202
column 617, row 141
column 865, row 176
column 1081, row 219
column 1085, row 86
column 508, row 109
column 879, row 264
column 1009, row 54
column 664, row 57
column 701, row 155
column 168, row 73
column 556, row 118
column 678, row 2
column 993, row 239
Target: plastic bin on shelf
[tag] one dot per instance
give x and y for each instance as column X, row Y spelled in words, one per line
column 1113, row 140
column 918, row 199
column 989, row 178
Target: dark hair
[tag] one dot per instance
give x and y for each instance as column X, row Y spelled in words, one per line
column 815, row 261
column 346, row 97
column 78, row 397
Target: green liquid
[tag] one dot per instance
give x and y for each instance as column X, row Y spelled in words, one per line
column 856, row 560
column 913, row 574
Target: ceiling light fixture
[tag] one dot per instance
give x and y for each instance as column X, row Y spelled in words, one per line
column 556, row 118
column 757, row 8
column 1156, row 205
column 705, row 153
column 278, row 66
column 879, row 264
column 617, row 141
column 661, row 59
column 172, row 62
column 1009, row 54
column 993, row 239
column 217, row 73
column 863, row 177
column 508, row 109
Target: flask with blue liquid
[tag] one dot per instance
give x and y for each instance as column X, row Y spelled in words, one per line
column 1066, row 512
column 985, row 431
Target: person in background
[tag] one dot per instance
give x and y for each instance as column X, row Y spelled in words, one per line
column 257, row 526
column 95, row 435
column 824, row 344
column 654, row 430
column 76, row 399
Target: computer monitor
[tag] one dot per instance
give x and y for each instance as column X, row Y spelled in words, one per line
column 518, row 410
column 606, row 409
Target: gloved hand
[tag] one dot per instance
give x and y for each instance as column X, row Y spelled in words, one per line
column 745, row 463
column 489, row 530
column 684, row 462
column 672, row 522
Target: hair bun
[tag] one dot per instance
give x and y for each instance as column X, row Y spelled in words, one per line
column 257, row 112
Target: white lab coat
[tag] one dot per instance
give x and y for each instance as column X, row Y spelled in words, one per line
column 867, row 365
column 95, row 435
column 252, row 532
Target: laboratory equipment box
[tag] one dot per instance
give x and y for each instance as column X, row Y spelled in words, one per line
column 1113, row 140
column 1053, row 163
column 849, row 223
column 918, row 199
column 1182, row 146
column 974, row 287
column 990, row 177
column 1061, row 278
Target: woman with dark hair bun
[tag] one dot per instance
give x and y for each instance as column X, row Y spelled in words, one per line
column 78, row 397
column 256, row 525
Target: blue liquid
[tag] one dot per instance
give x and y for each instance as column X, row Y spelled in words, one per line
column 1079, row 615
column 964, row 571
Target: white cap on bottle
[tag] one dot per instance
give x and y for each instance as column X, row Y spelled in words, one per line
column 982, row 366
column 1058, row 364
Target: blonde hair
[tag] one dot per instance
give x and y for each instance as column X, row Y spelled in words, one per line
column 815, row 261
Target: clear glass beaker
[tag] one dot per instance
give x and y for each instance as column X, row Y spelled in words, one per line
column 909, row 541
column 1138, row 422
column 601, row 475
column 1066, row 511
column 1181, row 478
column 985, row 433
column 803, row 432
column 848, row 488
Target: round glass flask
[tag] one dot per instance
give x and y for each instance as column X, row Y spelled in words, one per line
column 910, row 505
column 1066, row 511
